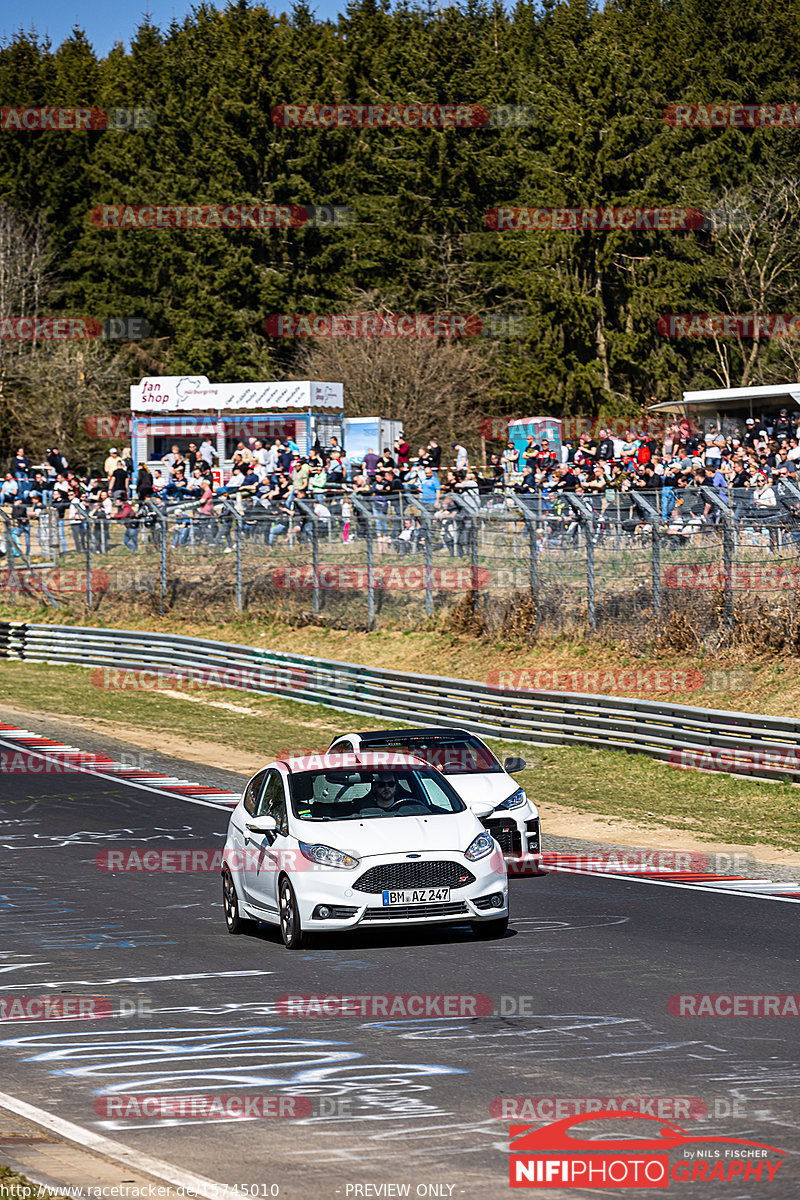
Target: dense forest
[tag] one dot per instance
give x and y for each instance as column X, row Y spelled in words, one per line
column 595, row 89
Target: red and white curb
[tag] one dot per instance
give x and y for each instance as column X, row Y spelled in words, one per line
column 72, row 758
column 582, row 864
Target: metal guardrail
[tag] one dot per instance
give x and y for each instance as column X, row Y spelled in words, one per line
column 748, row 744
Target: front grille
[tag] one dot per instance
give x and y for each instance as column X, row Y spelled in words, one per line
column 505, row 833
column 407, row 912
column 485, row 901
column 414, row 875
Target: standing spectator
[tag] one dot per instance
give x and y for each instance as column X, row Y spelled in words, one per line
column 207, row 451
column 462, row 458
column 22, row 524
column 402, row 451
column 370, row 464
column 21, row 465
column 545, row 459
column 435, row 454
column 124, row 512
column 77, row 522
column 41, row 516
column 174, row 457
column 530, row 453
column 430, row 488
column 605, row 447
column 145, row 486
column 118, row 481
column 57, row 461
column 509, row 458
column 112, row 462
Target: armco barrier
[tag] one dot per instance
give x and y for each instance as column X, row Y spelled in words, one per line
column 744, row 744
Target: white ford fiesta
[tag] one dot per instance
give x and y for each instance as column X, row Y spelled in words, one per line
column 325, row 843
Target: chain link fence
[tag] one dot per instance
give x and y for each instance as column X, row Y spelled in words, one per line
column 502, row 560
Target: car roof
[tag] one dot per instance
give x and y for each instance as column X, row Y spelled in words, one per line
column 402, row 736
column 385, row 760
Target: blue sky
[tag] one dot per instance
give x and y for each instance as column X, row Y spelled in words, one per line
column 107, row 23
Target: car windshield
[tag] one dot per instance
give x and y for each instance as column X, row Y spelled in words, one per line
column 451, row 755
column 335, row 795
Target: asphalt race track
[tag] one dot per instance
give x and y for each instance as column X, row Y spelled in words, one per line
column 580, row 987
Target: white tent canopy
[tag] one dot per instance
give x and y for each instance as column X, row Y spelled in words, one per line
column 751, row 400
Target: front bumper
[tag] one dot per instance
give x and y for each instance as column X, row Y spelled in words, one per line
column 351, row 907
column 516, row 831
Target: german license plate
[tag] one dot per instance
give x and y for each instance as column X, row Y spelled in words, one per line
column 417, row 896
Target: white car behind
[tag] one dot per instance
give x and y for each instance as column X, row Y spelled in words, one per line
column 478, row 777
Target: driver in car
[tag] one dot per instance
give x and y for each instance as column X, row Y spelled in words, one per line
column 383, row 795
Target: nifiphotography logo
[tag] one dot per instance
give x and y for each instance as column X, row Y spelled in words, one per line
column 551, row 1157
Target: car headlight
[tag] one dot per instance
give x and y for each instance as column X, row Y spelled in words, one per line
column 482, row 845
column 326, row 856
column 515, row 800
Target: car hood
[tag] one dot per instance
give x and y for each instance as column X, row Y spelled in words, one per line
column 393, row 835
column 490, row 788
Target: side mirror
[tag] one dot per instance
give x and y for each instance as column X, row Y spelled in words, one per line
column 262, row 825
column 514, row 764
column 481, row 808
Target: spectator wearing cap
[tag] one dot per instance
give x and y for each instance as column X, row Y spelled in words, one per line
column 509, row 458
column 300, row 473
column 461, row 457
column 402, row 450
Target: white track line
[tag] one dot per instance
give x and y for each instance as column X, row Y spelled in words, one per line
column 694, row 887
column 86, row 1139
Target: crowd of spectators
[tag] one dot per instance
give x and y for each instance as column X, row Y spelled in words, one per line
column 275, row 488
